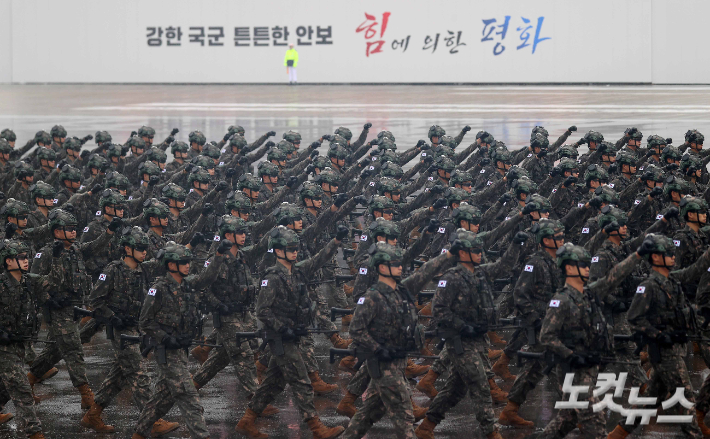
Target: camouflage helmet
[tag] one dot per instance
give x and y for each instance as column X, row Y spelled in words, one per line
column 607, row 194
column 43, row 190
column 237, row 201
column 267, row 168
column 344, row 132
column 197, row 137
column 514, row 173
column 383, row 253
column 660, row 244
column 670, row 152
column 174, row 191
column 674, row 184
column 501, row 155
column 276, row 154
column 444, row 151
column 539, row 141
column 173, row 252
column 238, row 142
column 386, row 143
column 594, row 136
column 388, row 156
column 116, row 180
column 392, row 170
column 97, row 161
column 448, row 141
column 337, row 138
column 609, row 149
column 11, row 248
column 383, row 227
column 637, row 135
column 58, row 131
column 211, row 151
column 112, row 150
column 198, row 174
column 437, row 131
column 460, row 177
column 282, row 237
column 466, row 239
column 610, row 214
column 546, row 228
column 570, row 253
column 5, row 147
column 655, row 140
column 542, row 204
column 134, row 237
column 466, row 212
column 145, row 131
column 652, row 172
column 46, row 154
column 61, row 218
column 292, row 137
column 378, row 202
column 595, row 172
column 43, row 137
column 523, row 185
column 111, row 198
column 690, row 203
column 70, row 173
column 203, row 161
column 179, row 147
column 238, row 129
column 568, row 151
column 456, row 195
column 488, row 139
column 385, row 134
column 568, row 165
column 14, row 208
column 338, row 151
column 286, row 146
column 8, row 135
column 248, row 181
column 690, row 163
column 445, row 163
column 311, row 190
column 694, row 136
column 329, row 176
column 153, row 207
column 149, row 168
column 136, row 142
column 23, row 169
column 539, row 130
column 101, row 137
column 389, row 185
column 231, row 224
column 624, row 158
column 321, row 162
column 287, row 213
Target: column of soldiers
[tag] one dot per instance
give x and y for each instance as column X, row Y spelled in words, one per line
column 568, row 248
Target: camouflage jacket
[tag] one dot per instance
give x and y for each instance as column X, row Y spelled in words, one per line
column 538, row 282
column 103, row 255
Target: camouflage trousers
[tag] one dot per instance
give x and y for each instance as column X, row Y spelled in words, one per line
column 15, row 386
column 667, row 376
column 290, row 369
column 443, row 363
column 388, row 394
column 240, row 355
column 335, row 296
column 624, row 351
column 529, row 377
column 128, row 371
column 467, row 375
column 65, row 332
column 174, row 386
column 703, row 399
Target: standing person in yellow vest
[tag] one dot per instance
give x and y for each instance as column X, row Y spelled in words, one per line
column 291, row 62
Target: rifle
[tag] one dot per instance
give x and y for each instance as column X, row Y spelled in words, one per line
column 334, row 312
column 654, row 349
column 371, row 358
column 553, row 359
column 18, row 338
column 349, row 252
column 148, row 344
column 88, row 313
column 338, row 279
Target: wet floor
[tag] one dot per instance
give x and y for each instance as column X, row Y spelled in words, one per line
column 507, row 112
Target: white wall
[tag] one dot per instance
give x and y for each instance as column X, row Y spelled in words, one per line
column 602, row 41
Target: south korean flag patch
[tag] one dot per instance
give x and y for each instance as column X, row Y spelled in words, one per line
column 640, row 290
column 611, row 185
column 442, row 230
column 207, row 264
column 637, row 201
column 271, row 250
column 580, row 204
column 483, row 171
column 102, row 276
column 360, row 301
column 443, row 250
column 529, row 268
column 676, row 242
column 98, row 213
column 430, row 178
column 442, row 284
column 216, row 238
column 38, row 255
column 595, row 259
column 554, row 303
column 265, row 282
column 585, row 230
column 152, row 291
column 659, row 216
column 86, row 229
column 363, row 270
column 554, row 190
column 363, row 237
column 372, row 183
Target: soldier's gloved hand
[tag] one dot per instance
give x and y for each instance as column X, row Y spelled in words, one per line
column 673, row 212
column 315, row 153
column 10, row 230
column 361, row 200
column 366, row 173
column 529, row 208
column 440, row 203
column 669, row 140
column 84, row 154
column 174, row 131
column 340, row 199
column 171, row 342
column 383, row 354
column 95, row 189
column 341, row 233
column 577, row 361
column 438, row 189
column 613, row 168
column 57, row 248
column 153, row 180
column 542, row 153
column 315, row 145
column 327, row 137
column 229, row 173
column 124, row 150
column 555, row 172
column 224, row 246
column 646, row 247
column 520, row 238
column 197, row 239
column 505, row 198
column 287, row 333
column 221, row 185
column 466, row 129
column 512, row 174
column 670, row 167
column 242, row 161
column 269, row 144
column 596, row 202
column 115, row 224
column 116, row 321
column 581, row 141
column 63, row 162
column 271, row 133
column 656, row 191
column 367, row 126
column 455, row 247
column 134, row 133
column 207, row 209
column 189, row 167
column 222, row 309
column 572, row 129
column 421, row 143
column 467, row 331
column 485, row 162
column 169, row 140
column 432, row 169
column 433, row 226
column 611, row 227
column 68, row 207
column 227, row 136
column 310, row 168
column 602, row 147
column 664, row 339
column 569, row 181
column 618, row 306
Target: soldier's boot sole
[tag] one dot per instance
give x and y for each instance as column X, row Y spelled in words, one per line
column 92, row 419
column 425, row 430
column 320, row 387
column 509, row 416
column 347, row 364
column 320, row 431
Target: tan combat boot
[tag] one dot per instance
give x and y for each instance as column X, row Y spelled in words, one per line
column 201, row 353
column 49, row 374
column 163, row 427
column 247, row 427
column 320, row 431
column 510, row 416
column 426, row 384
column 320, row 387
column 339, row 342
column 347, row 364
column 87, row 396
column 495, row 338
column 5, row 417
column 497, row 394
column 494, row 435
column 419, row 412
column 426, row 311
column 414, row 370
column 345, row 322
column 268, row 411
column 38, row 435
column 618, row 433
column 260, row 369
column 494, row 354
column 346, row 406
column 137, row 436
column 92, row 419
column 425, row 429
column 500, row 368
